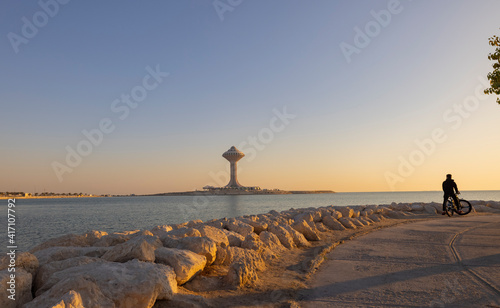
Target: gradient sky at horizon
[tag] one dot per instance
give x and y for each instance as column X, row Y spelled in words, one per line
column 354, row 122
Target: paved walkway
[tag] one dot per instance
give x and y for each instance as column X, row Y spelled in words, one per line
column 448, row 262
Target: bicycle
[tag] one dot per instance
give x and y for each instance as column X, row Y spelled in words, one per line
column 463, row 208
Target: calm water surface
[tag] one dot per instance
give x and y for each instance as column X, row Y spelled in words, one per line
column 41, row 219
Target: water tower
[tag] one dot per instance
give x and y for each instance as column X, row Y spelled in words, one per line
column 233, row 155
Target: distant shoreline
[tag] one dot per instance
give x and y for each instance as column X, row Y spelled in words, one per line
column 243, row 192
column 48, row 197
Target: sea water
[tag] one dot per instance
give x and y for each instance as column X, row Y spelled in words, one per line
column 38, row 220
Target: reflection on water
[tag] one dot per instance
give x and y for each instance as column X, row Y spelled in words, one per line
column 41, row 219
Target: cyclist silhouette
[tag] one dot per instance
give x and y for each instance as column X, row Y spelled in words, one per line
column 450, row 189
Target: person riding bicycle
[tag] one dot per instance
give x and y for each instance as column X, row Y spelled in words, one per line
column 450, row 189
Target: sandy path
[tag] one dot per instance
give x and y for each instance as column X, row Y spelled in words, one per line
column 435, row 263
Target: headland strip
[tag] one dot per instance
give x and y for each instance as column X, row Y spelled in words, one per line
column 219, row 192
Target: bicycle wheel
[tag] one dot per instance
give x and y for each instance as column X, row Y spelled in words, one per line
column 465, row 207
column 449, row 208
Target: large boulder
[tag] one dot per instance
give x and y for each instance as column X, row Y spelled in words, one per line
column 141, row 248
column 183, row 232
column 217, row 235
column 347, row 223
column 395, row 214
column 429, row 209
column 400, row 206
column 306, row 216
column 272, row 242
column 200, row 245
column 365, row 220
column 234, row 239
column 486, row 209
column 110, row 284
column 48, row 269
column 321, row 227
column 283, row 235
column 346, row 212
column 358, row 223
column 258, row 226
column 332, row 223
column 194, row 223
column 185, row 263
column 493, row 204
column 24, row 260
column 367, row 212
column 160, row 230
column 18, row 287
column 244, row 267
column 220, row 255
column 309, row 233
column 336, row 214
column 298, row 238
column 61, row 253
column 417, row 207
column 71, row 299
column 111, row 240
column 239, row 227
column 252, row 241
column 376, row 217
column 73, row 240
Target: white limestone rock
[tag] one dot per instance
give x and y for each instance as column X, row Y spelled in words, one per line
column 283, row 235
column 239, row 227
column 200, row 245
column 347, row 223
column 298, row 238
column 430, row 209
column 49, row 269
column 141, row 248
column 244, row 267
column 185, row 263
column 258, row 226
column 161, row 230
column 272, row 242
column 365, row 221
column 376, row 217
column 52, row 254
column 183, row 232
column 346, row 212
column 68, row 240
column 485, row 209
column 234, row 239
column 110, row 284
column 194, row 223
column 309, row 233
column 333, row 223
column 217, row 235
column 358, row 223
column 71, row 299
column 306, row 216
column 321, row 227
column 252, row 241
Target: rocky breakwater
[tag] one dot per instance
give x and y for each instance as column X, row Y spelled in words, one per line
column 144, row 268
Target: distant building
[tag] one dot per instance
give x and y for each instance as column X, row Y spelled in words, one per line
column 233, row 155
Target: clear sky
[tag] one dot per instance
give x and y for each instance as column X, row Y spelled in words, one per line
column 341, row 95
